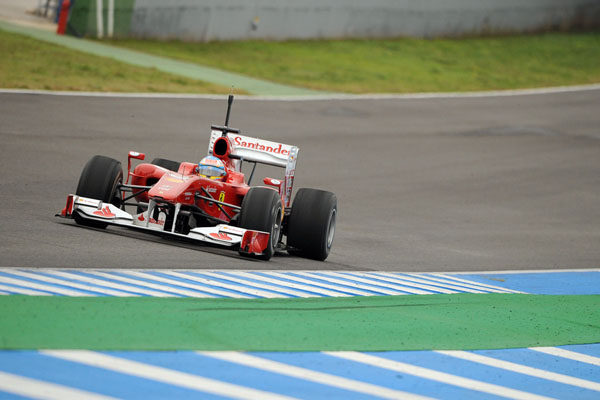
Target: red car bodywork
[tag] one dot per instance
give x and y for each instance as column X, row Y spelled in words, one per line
column 184, row 204
column 180, row 187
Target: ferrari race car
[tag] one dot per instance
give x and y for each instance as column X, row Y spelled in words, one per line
column 177, row 199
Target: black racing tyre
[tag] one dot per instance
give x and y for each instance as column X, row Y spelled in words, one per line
column 262, row 211
column 99, row 180
column 168, row 164
column 311, row 224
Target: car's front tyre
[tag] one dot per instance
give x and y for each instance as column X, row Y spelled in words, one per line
column 262, row 211
column 99, row 180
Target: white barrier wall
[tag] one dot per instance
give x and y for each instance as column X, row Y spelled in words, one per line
column 303, row 19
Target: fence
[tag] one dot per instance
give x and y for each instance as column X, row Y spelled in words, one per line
column 205, row 20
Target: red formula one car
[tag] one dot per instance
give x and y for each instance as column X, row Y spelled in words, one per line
column 211, row 201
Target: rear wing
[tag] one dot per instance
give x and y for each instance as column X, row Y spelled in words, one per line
column 257, row 150
column 262, row 151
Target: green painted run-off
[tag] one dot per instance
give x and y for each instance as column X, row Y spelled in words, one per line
column 456, row 321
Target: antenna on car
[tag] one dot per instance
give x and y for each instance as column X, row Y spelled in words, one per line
column 226, row 129
column 229, row 103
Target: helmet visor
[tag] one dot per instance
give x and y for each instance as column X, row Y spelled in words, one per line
column 210, row 171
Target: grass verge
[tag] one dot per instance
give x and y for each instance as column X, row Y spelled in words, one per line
column 401, row 65
column 31, row 64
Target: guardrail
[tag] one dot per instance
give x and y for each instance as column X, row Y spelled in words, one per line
column 205, row 20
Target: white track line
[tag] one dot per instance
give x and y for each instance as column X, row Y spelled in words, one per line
column 324, row 97
column 175, row 291
column 571, row 355
column 36, row 389
column 438, row 376
column 310, row 375
column 114, row 285
column 214, row 282
column 472, row 285
column 525, row 271
column 339, row 291
column 48, row 288
column 464, row 281
column 284, row 289
column 411, row 281
column 356, row 285
column 362, row 279
column 302, row 280
column 71, row 284
column 314, row 285
column 165, row 375
column 422, row 283
column 470, row 288
column 507, row 271
column 522, row 369
column 27, row 291
column 168, row 281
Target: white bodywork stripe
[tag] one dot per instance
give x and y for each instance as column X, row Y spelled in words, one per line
column 310, row 375
column 165, row 375
column 438, row 376
column 36, row 389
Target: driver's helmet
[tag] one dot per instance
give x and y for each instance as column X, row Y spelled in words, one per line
column 211, row 167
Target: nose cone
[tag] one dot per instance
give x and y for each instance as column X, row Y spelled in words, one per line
column 172, row 187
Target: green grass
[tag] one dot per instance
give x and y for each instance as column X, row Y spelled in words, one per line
column 401, row 65
column 353, row 66
column 31, row 64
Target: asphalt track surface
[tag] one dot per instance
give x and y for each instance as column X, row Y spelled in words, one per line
column 452, row 184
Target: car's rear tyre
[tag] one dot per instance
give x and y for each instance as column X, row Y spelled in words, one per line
column 311, row 224
column 99, row 180
column 262, row 211
column 168, row 164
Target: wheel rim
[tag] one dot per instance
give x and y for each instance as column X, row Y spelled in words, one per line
column 116, row 198
column 276, row 228
column 331, row 228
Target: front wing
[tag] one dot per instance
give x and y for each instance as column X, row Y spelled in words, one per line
column 245, row 240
